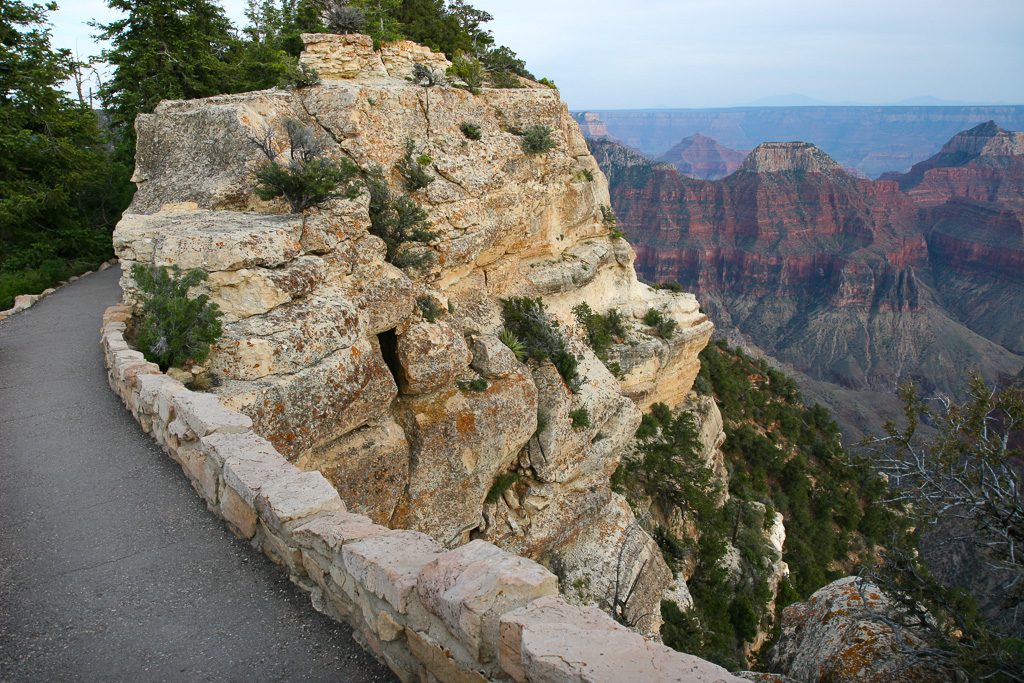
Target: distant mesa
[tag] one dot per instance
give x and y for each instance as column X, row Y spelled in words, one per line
column 781, row 157
column 701, row 157
column 593, row 127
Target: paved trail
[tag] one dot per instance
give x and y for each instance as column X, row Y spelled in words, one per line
column 111, row 568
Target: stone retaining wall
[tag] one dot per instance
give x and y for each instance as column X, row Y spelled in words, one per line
column 472, row 614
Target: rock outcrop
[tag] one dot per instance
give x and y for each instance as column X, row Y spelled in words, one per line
column 701, row 157
column 330, row 349
column 842, row 637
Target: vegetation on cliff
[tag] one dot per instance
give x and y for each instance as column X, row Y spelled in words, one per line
column 174, row 328
column 781, row 457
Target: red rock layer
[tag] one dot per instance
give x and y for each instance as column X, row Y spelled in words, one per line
column 701, row 157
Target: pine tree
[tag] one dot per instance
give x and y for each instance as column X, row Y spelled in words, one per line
column 163, row 49
column 55, row 203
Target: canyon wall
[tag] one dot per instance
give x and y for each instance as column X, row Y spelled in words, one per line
column 858, row 283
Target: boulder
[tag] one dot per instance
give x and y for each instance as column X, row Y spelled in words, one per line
column 833, row 637
column 459, row 441
column 430, row 356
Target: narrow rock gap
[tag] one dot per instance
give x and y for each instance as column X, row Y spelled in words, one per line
column 388, row 341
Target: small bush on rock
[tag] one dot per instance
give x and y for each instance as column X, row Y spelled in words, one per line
column 429, row 308
column 174, row 328
column 525, row 318
column 425, row 76
column 580, row 418
column 670, row 285
column 300, row 76
column 401, row 223
column 471, row 131
column 663, row 326
column 414, row 170
column 306, row 179
column 502, row 483
column 537, row 139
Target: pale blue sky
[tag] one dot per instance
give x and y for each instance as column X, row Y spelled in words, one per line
column 606, row 54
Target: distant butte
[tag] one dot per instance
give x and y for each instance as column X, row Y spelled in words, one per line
column 701, row 157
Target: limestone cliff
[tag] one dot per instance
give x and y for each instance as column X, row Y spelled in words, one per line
column 359, row 369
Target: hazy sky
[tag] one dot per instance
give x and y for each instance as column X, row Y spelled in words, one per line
column 713, row 53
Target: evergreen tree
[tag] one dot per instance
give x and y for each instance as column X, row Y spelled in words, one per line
column 56, row 204
column 261, row 60
column 163, row 49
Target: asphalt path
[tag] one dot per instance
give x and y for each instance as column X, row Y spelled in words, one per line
column 111, row 567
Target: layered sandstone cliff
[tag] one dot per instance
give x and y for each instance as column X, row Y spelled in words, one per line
column 835, row 275
column 985, row 163
column 332, row 350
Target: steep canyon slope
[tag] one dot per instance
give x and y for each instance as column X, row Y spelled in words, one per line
column 855, row 283
column 393, row 381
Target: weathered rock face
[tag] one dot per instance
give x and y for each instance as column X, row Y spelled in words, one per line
column 701, row 157
column 840, row 277
column 833, row 637
column 326, row 348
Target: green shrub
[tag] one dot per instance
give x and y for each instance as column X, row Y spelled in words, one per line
column 608, row 216
column 300, row 76
column 663, row 326
column 600, row 332
column 584, row 174
column 537, row 139
column 652, row 317
column 670, row 285
column 471, row 130
column 401, row 224
column 666, row 328
column 428, row 308
column 414, row 170
column 502, row 483
column 174, row 328
column 525, row 318
column 478, row 384
column 469, row 70
column 306, row 179
column 580, row 418
column 549, row 83
column 514, row 344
